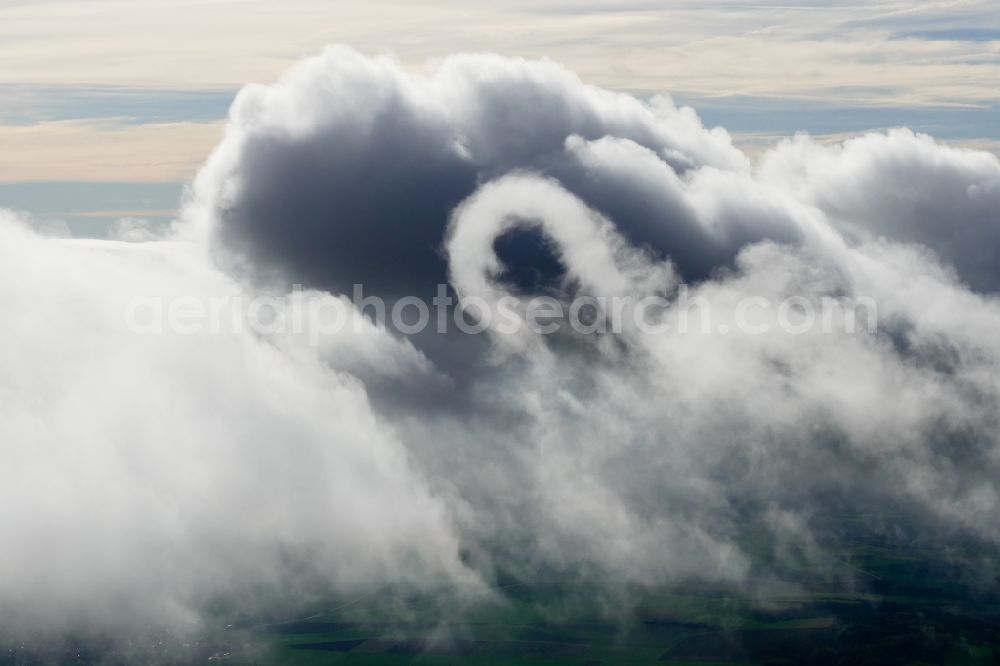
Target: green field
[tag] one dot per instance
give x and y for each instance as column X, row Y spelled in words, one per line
column 875, row 603
column 900, row 606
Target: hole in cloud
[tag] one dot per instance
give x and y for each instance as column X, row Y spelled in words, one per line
column 531, row 265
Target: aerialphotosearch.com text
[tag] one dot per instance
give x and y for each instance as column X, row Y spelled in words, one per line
column 318, row 315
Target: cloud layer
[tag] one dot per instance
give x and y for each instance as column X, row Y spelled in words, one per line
column 165, row 471
column 147, row 476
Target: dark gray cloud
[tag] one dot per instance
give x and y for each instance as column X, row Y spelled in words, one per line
column 358, row 186
column 346, row 172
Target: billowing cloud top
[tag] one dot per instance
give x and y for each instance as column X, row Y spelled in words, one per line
column 164, row 472
column 345, row 170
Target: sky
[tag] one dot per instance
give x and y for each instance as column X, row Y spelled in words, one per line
column 131, row 95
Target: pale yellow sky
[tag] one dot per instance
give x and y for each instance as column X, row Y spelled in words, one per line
column 105, row 151
column 876, row 54
column 799, row 49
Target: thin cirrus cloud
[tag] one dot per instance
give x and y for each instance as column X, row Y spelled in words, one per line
column 166, row 474
column 66, row 61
